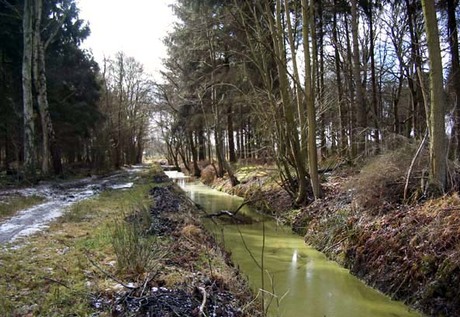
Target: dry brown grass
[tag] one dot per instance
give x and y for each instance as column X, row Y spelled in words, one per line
column 208, row 175
column 380, row 184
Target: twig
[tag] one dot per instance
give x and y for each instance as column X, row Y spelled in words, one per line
column 57, row 282
column 244, row 203
column 110, row 275
column 229, row 213
column 335, row 244
column 411, row 167
column 247, row 249
column 147, row 281
column 203, row 303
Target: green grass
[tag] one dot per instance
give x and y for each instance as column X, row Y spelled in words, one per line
column 15, row 203
column 53, row 274
column 95, row 245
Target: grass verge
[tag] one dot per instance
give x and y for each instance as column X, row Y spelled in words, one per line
column 13, row 204
column 52, row 273
column 123, row 248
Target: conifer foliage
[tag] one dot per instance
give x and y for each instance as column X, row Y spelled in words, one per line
column 59, row 110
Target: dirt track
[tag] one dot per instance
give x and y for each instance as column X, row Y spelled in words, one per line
column 58, row 196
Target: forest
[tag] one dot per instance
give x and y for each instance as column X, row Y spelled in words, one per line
column 340, row 118
column 61, row 111
column 296, row 83
column 299, row 82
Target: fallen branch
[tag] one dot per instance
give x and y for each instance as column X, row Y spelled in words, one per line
column 229, row 213
column 110, row 275
column 411, row 167
column 203, row 303
column 220, row 213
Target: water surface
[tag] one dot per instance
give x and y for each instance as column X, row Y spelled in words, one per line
column 59, row 196
column 304, row 282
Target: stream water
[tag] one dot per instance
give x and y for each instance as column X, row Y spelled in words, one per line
column 303, row 281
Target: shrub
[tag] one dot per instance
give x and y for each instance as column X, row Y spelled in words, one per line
column 136, row 251
column 381, row 182
column 208, row 174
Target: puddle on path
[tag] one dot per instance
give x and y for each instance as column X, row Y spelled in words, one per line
column 58, row 197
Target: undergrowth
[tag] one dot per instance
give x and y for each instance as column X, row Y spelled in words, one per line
column 137, row 251
column 381, row 182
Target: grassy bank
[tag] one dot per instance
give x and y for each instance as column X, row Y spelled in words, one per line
column 108, row 253
column 12, row 204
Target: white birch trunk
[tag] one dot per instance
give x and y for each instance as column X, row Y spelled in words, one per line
column 48, row 134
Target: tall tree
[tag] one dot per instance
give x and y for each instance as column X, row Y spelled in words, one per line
column 28, row 112
column 308, row 22
column 369, row 9
column 452, row 33
column 361, row 107
column 438, row 162
column 343, row 143
column 292, row 135
column 49, row 145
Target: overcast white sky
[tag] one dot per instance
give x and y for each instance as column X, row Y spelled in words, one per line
column 135, row 27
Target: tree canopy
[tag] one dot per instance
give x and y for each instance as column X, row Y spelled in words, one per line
column 76, row 114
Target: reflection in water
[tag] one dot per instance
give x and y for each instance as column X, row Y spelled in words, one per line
column 312, row 285
column 294, row 258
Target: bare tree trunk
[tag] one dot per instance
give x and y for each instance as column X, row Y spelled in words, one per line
column 293, row 141
column 318, row 42
column 419, row 113
column 340, row 102
column 118, row 142
column 201, row 145
column 353, row 105
column 231, row 139
column 300, row 100
column 28, row 110
column 310, row 98
column 375, row 106
column 140, row 145
column 49, row 144
column 453, row 43
column 196, row 168
column 360, row 101
column 438, row 175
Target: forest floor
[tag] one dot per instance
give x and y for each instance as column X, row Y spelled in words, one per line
column 409, row 251
column 136, row 252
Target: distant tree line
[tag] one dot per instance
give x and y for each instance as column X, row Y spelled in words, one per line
column 300, row 81
column 58, row 108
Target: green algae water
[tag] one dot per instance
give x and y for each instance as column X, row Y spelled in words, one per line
column 303, row 282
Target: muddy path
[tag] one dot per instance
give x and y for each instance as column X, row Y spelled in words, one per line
column 58, row 196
